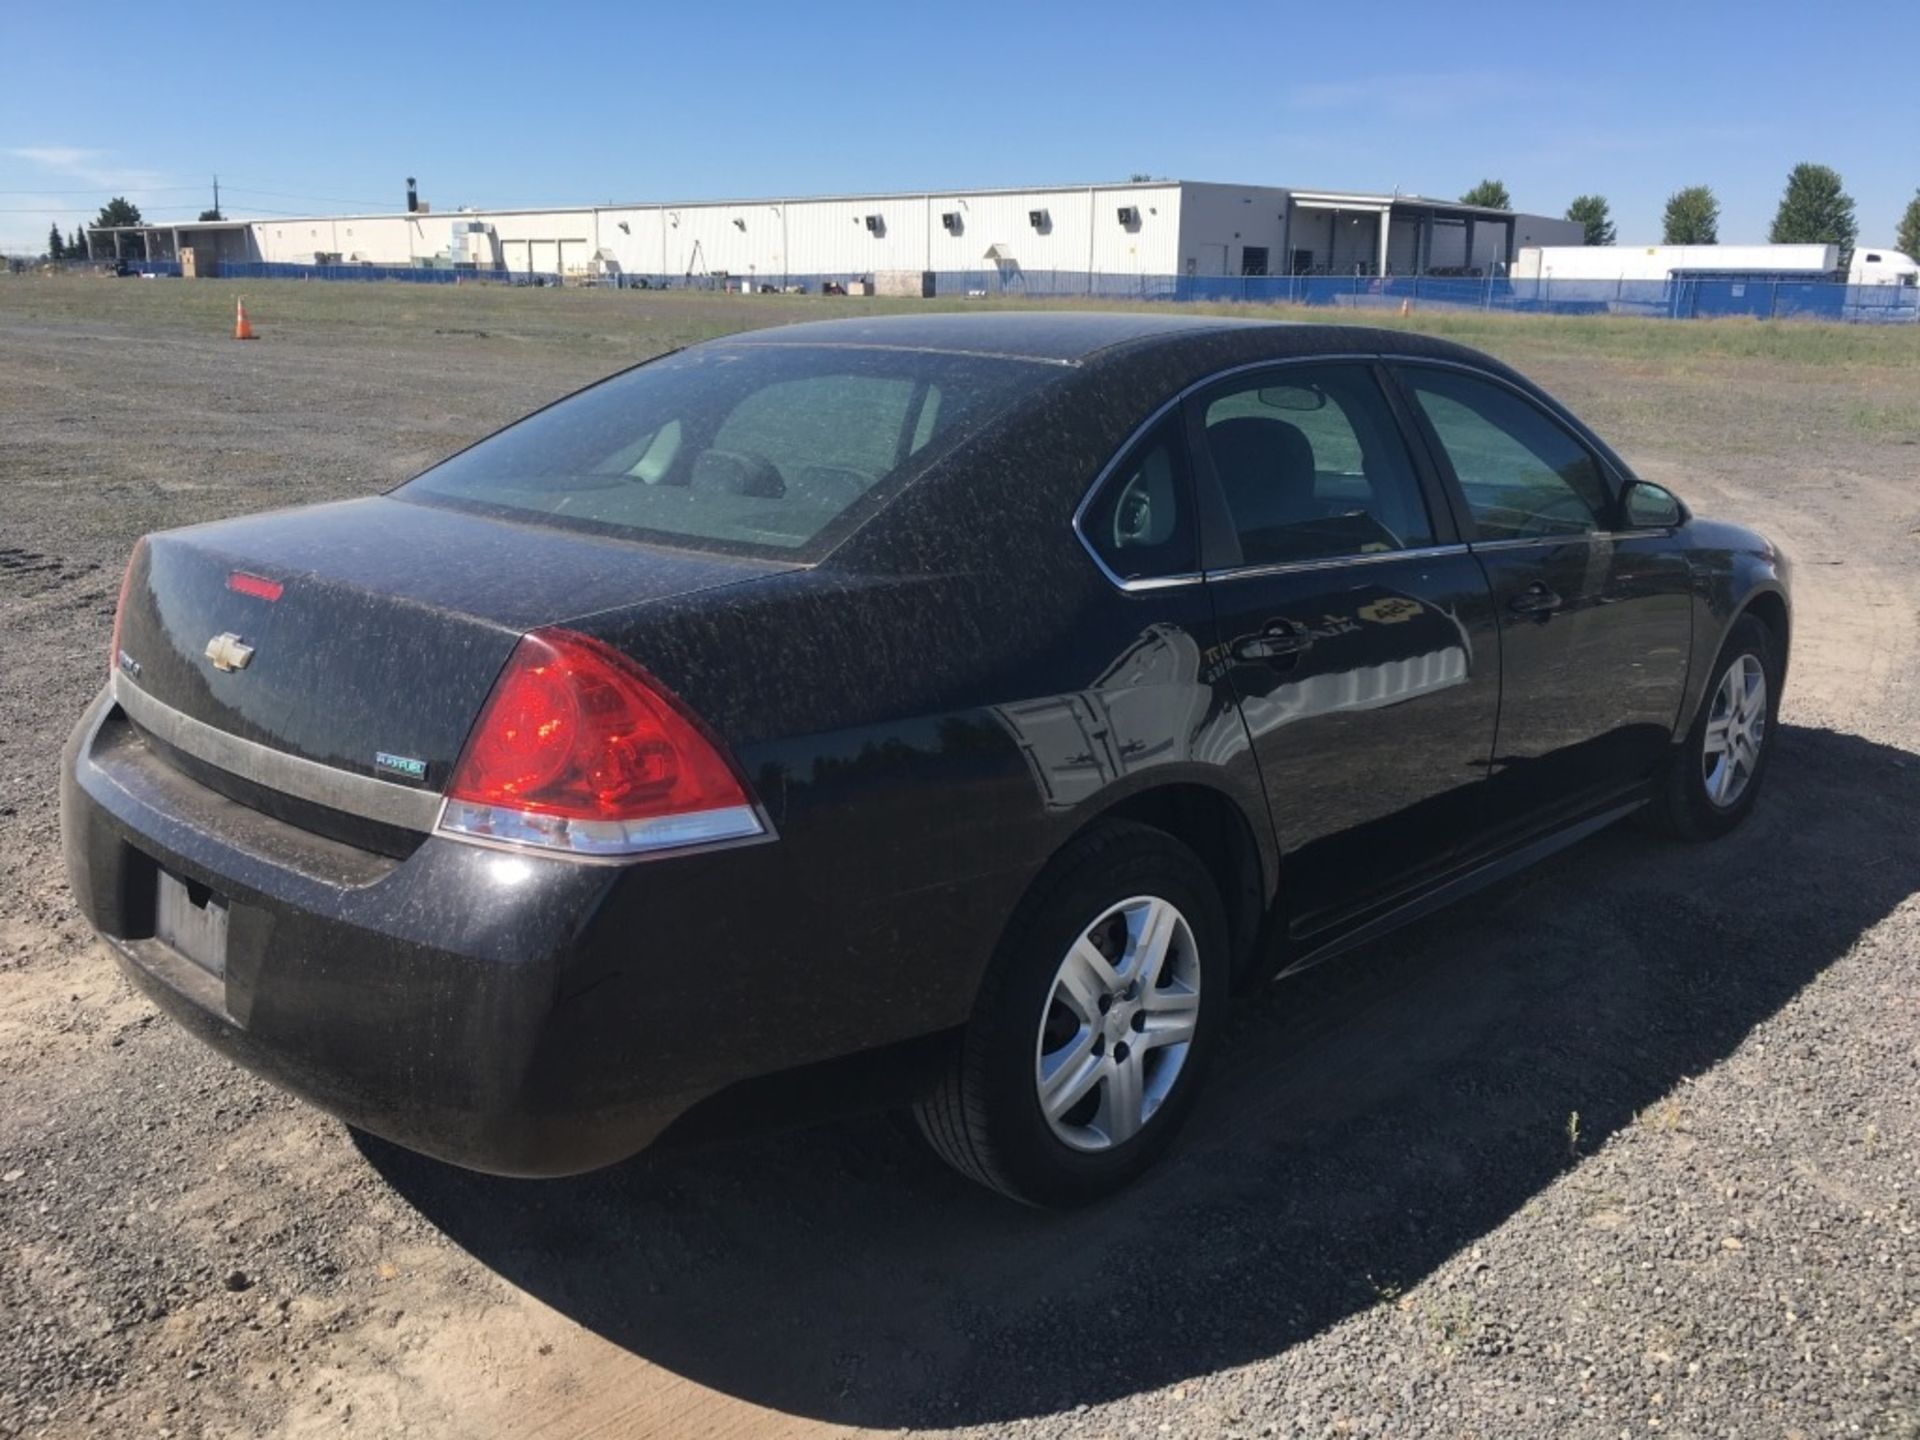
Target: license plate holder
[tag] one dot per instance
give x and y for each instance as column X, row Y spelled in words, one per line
column 193, row 920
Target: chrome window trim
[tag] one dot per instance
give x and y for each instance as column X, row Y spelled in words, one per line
column 1547, row 403
column 1535, row 542
column 1169, row 582
column 1336, row 562
column 1158, row 582
column 1584, row 537
column 362, row 795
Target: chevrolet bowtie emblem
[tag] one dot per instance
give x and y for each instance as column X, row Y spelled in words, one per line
column 228, row 652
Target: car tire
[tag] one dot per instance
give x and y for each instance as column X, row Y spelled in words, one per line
column 1136, row 1032
column 1694, row 799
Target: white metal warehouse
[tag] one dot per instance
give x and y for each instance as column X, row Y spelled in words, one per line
column 1149, row 228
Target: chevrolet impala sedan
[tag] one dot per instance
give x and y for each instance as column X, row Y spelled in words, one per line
column 945, row 711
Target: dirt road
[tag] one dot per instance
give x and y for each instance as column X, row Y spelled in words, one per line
column 1630, row 1145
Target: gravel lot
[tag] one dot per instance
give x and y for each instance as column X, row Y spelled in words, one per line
column 1629, row 1145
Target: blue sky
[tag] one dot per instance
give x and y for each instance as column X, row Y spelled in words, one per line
column 316, row 108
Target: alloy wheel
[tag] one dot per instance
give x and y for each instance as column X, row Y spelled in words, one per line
column 1736, row 729
column 1118, row 1023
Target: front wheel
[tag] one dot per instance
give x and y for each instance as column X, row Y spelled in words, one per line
column 1093, row 1026
column 1714, row 779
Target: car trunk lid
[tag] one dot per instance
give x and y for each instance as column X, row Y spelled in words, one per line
column 365, row 636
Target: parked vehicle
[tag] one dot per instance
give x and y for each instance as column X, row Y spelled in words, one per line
column 1867, row 265
column 1871, row 266
column 947, row 710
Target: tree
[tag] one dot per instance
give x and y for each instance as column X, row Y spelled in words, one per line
column 1906, row 236
column 1490, row 193
column 118, row 211
column 56, row 247
column 1591, row 211
column 122, row 211
column 77, row 242
column 1815, row 211
column 211, row 215
column 1693, row 217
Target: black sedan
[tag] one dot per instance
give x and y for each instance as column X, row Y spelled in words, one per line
column 951, row 710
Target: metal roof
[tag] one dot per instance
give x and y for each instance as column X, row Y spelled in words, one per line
column 147, row 225
column 1382, row 202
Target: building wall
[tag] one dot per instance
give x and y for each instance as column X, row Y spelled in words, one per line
column 375, row 239
column 209, row 246
column 1489, row 242
column 1449, row 246
column 1341, row 241
column 545, row 242
column 1201, row 227
column 773, row 239
column 1546, row 230
column 1219, row 222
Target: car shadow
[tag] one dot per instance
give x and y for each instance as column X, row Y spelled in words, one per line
column 1367, row 1122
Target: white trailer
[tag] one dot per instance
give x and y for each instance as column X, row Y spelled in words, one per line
column 1658, row 262
column 1662, row 262
column 1882, row 267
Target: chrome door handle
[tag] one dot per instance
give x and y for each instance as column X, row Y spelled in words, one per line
column 1536, row 599
column 1277, row 640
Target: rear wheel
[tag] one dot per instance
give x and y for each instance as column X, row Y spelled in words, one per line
column 1093, row 1026
column 1713, row 781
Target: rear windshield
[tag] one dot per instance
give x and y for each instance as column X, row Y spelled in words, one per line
column 757, row 449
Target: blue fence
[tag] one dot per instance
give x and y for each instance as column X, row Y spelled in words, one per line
column 1665, row 299
column 1691, row 298
column 412, row 274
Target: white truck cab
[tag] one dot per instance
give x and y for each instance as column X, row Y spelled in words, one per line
column 1882, row 267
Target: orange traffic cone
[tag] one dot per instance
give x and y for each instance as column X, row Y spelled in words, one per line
column 241, row 329
column 1406, row 307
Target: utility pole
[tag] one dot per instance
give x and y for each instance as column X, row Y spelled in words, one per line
column 216, row 194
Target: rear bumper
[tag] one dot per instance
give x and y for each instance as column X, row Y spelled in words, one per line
column 452, row 1002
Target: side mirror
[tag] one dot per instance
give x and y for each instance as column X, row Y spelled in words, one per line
column 1652, row 507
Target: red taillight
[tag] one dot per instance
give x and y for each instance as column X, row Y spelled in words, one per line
column 120, row 607
column 580, row 749
column 258, row 586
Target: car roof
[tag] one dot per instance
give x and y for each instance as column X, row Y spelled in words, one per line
column 1061, row 336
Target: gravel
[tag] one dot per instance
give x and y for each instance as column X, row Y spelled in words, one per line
column 1629, row 1145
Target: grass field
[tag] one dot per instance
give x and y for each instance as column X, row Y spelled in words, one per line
column 573, row 317
column 1828, row 379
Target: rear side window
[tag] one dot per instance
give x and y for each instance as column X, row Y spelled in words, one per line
column 1312, row 467
column 1523, row 475
column 768, row 448
column 1140, row 522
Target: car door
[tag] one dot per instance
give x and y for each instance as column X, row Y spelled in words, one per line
column 1354, row 626
column 1595, row 618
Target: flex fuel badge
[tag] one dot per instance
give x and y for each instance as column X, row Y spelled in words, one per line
column 399, row 767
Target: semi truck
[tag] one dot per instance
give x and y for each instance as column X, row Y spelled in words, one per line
column 1870, row 265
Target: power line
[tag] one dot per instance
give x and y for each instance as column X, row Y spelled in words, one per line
column 172, row 217
column 298, row 195
column 182, row 189
column 99, row 189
